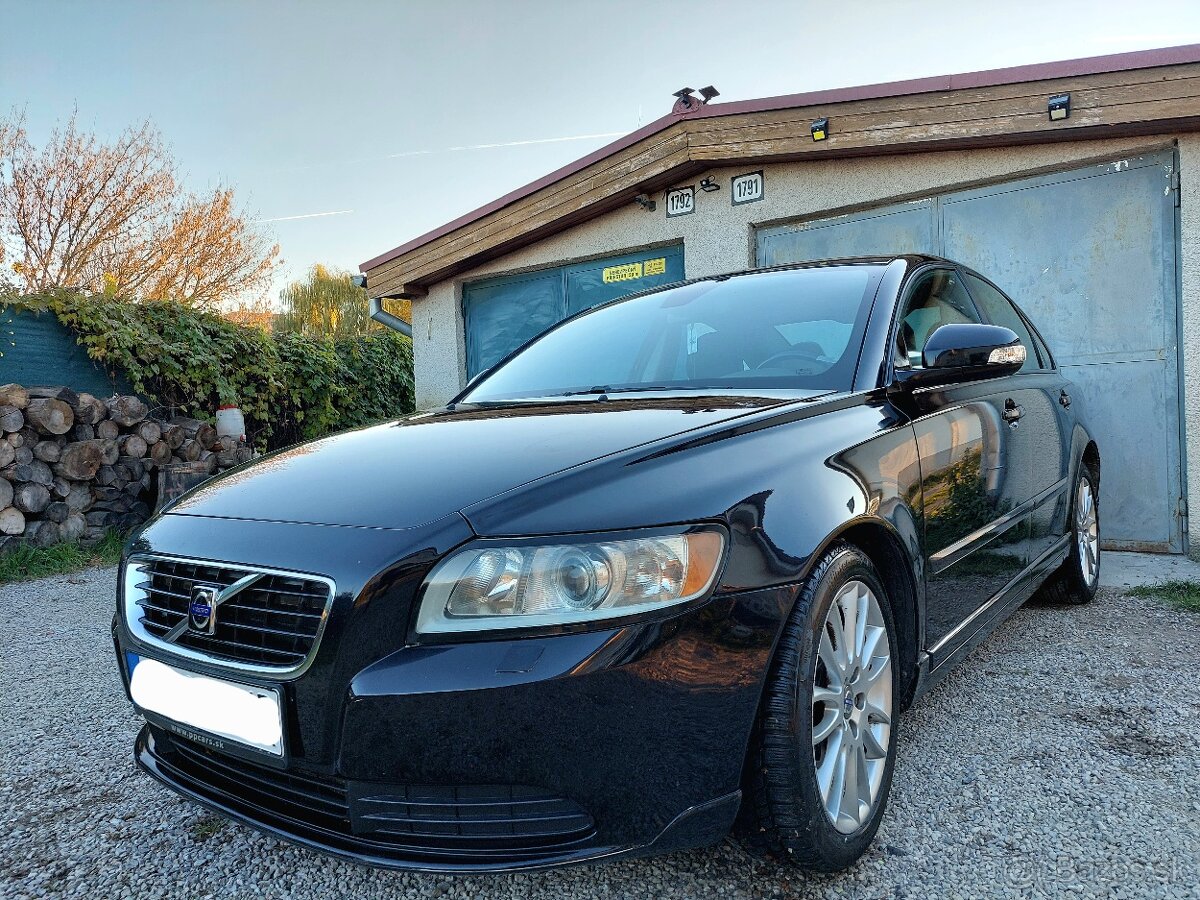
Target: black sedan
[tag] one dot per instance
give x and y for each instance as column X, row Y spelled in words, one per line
column 675, row 567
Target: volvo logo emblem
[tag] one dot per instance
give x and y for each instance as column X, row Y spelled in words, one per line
column 202, row 610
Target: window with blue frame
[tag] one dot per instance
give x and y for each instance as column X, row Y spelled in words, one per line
column 502, row 314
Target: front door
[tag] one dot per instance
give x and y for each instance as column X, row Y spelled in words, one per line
column 974, row 468
column 1042, row 427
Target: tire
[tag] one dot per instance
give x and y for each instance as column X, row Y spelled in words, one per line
column 784, row 812
column 1074, row 582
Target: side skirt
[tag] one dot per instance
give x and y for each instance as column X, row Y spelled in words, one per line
column 935, row 663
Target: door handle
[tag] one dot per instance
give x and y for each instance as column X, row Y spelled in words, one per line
column 1012, row 412
column 1065, row 399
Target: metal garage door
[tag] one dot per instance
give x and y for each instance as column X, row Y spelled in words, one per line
column 501, row 314
column 1091, row 254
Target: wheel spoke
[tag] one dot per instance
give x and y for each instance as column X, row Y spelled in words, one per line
column 830, row 722
column 832, row 772
column 872, row 746
column 826, row 695
column 848, row 603
column 871, row 640
column 877, row 715
column 851, row 800
column 880, row 665
column 861, row 611
column 833, row 663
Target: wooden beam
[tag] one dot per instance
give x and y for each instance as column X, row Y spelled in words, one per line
column 641, row 160
column 1108, row 104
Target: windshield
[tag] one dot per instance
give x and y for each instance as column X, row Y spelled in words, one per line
column 800, row 328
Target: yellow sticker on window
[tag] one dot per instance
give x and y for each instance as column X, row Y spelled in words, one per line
column 656, row 266
column 627, row 272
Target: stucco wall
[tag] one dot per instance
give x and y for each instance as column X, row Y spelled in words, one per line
column 719, row 238
column 1189, row 170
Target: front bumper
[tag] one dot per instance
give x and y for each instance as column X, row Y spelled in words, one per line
column 322, row 822
column 496, row 755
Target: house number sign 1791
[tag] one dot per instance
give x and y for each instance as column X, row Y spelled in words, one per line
column 747, row 188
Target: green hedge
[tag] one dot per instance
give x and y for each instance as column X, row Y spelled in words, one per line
column 289, row 387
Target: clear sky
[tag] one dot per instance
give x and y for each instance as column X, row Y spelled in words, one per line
column 353, row 126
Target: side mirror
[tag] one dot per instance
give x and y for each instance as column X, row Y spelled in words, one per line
column 967, row 352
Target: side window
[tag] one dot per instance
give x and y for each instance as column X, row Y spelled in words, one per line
column 1043, row 350
column 1000, row 311
column 934, row 299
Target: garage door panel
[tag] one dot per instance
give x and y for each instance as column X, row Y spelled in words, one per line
column 1139, row 459
column 1077, row 253
column 501, row 314
column 604, row 280
column 904, row 228
column 1090, row 254
column 504, row 314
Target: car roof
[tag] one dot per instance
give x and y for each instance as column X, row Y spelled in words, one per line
column 913, row 260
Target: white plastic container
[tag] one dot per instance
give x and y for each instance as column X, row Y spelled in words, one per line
column 231, row 423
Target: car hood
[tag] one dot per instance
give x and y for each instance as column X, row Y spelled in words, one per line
column 406, row 473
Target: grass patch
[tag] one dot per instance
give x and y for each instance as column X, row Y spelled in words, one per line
column 26, row 563
column 1177, row 592
column 207, row 827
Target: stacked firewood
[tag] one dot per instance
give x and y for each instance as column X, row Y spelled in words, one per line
column 73, row 465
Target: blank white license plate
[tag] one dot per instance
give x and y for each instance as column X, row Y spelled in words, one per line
column 238, row 712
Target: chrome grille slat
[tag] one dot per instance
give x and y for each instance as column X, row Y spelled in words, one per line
column 147, row 605
column 272, row 626
column 205, row 641
column 276, row 612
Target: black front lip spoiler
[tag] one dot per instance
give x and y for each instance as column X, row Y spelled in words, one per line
column 701, row 825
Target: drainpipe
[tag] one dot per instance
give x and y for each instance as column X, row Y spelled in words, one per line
column 381, row 315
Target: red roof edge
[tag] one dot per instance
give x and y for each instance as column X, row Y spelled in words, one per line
column 1092, row 65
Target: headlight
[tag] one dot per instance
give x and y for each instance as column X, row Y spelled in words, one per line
column 524, row 585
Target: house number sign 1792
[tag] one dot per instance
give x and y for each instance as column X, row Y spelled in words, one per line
column 681, row 201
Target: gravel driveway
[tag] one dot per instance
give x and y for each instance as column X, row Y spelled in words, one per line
column 1060, row 759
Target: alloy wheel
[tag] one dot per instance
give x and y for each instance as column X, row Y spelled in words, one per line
column 852, row 707
column 1087, row 531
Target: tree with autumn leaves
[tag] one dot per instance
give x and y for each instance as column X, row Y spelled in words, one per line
column 114, row 218
column 327, row 302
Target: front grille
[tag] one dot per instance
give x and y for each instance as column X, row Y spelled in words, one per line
column 489, row 822
column 273, row 623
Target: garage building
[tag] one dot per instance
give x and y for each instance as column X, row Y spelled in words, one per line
column 1074, row 185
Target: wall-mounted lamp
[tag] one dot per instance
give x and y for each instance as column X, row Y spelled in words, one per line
column 1059, row 107
column 645, row 202
column 709, row 185
column 359, row 281
column 684, row 100
column 820, row 129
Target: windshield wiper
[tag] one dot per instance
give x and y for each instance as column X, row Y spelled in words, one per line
column 602, row 389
